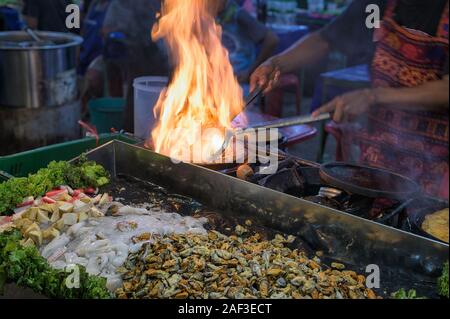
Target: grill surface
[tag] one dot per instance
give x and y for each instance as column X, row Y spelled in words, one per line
column 405, row 260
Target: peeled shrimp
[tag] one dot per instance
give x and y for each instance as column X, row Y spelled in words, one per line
column 121, row 251
column 54, row 245
column 96, row 264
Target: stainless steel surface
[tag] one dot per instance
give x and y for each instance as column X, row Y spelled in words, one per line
column 292, row 121
column 38, row 74
column 24, row 129
column 339, row 235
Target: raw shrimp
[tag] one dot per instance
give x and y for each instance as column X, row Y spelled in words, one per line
column 121, row 251
column 96, row 264
column 92, row 247
column 55, row 245
column 74, row 229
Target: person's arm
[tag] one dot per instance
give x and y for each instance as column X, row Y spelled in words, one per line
column 268, row 48
column 429, row 96
column 347, row 34
column 306, row 51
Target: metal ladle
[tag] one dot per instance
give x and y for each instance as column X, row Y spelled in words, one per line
column 32, row 34
column 36, row 38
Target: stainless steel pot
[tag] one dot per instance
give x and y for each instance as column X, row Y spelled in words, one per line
column 38, row 74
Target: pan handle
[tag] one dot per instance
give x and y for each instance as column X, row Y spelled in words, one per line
column 399, row 209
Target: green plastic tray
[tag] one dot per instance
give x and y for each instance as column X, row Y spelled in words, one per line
column 22, row 164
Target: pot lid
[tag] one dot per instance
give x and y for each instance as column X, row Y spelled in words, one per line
column 20, row 40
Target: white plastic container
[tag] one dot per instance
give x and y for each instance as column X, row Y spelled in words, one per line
column 146, row 94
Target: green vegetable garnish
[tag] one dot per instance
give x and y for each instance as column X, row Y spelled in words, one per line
column 26, row 267
column 443, row 282
column 83, row 174
column 403, row 294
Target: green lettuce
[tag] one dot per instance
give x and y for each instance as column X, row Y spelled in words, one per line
column 27, row 268
column 82, row 174
column 443, row 282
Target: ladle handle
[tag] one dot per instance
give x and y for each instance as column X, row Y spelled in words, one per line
column 32, row 34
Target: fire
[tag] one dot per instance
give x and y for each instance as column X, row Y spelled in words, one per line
column 203, row 93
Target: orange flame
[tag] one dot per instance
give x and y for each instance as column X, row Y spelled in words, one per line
column 203, row 93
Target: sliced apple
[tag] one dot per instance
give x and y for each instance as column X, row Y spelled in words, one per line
column 42, row 217
column 32, row 227
column 55, row 217
column 31, row 213
column 36, row 236
column 82, row 217
column 60, row 224
column 104, row 199
column 95, row 213
column 85, row 199
column 70, row 219
column 27, row 242
column 66, row 208
column 23, row 223
column 50, row 233
column 50, row 208
column 81, row 207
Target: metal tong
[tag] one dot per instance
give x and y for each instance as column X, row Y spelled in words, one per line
column 290, row 121
column 280, row 123
column 252, row 96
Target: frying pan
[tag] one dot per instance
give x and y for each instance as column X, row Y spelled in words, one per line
column 368, row 181
column 228, row 167
column 417, row 213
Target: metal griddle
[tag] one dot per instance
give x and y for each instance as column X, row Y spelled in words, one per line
column 405, row 260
